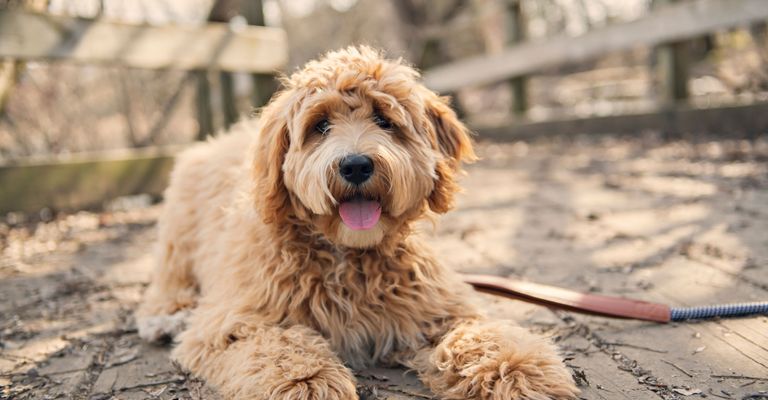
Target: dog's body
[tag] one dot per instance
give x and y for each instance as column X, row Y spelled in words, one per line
column 297, row 256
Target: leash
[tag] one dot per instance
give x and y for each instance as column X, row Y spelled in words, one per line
column 608, row 306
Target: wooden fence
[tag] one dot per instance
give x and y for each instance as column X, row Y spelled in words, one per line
column 213, row 46
column 87, row 181
column 667, row 28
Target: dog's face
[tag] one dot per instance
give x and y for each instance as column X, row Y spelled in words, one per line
column 356, row 147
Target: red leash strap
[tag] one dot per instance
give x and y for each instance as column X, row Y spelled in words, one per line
column 617, row 307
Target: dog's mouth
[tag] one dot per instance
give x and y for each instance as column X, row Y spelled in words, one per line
column 359, row 213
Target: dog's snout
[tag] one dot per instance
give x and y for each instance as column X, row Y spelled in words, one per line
column 356, row 168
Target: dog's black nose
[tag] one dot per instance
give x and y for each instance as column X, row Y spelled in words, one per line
column 356, row 168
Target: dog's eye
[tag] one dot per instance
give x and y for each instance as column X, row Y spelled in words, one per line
column 323, row 126
column 382, row 122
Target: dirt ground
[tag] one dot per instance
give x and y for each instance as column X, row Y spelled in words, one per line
column 674, row 222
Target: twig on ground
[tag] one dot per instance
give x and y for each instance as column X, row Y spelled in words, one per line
column 67, row 371
column 151, row 384
column 15, row 357
column 678, row 368
column 738, row 377
column 634, row 347
column 712, row 392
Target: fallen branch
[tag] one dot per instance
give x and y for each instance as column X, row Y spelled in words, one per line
column 678, row 368
column 635, row 347
column 738, row 377
column 151, row 384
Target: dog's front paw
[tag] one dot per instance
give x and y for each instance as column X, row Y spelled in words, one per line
column 161, row 328
column 498, row 361
column 306, row 383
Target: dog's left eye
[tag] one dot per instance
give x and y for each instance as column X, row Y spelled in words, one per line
column 382, row 122
column 323, row 126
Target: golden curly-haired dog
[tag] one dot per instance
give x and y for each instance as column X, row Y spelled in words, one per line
column 287, row 254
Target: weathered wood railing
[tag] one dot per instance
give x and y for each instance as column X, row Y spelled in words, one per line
column 666, row 28
column 215, row 46
column 88, row 180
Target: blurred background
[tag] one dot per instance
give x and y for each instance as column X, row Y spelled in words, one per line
column 81, row 79
column 51, row 104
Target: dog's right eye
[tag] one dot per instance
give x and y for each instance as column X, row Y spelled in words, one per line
column 323, row 126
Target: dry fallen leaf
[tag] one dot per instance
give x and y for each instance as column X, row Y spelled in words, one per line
column 686, row 392
column 157, row 392
column 123, row 356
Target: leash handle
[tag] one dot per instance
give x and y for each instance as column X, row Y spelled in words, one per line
column 617, row 307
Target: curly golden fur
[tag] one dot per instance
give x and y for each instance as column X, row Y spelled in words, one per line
column 273, row 296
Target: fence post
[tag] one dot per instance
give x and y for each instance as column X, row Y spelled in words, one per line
column 222, row 11
column 228, row 100
column 672, row 68
column 264, row 85
column 760, row 34
column 10, row 72
column 516, row 34
column 432, row 56
column 203, row 105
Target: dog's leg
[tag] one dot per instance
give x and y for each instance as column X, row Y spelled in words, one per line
column 169, row 297
column 246, row 359
column 494, row 360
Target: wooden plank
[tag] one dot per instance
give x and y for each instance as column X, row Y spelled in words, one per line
column 9, row 72
column 673, row 74
column 83, row 182
column 572, row 229
column 203, row 105
column 672, row 68
column 556, row 220
column 733, row 121
column 690, row 354
column 264, row 85
column 516, row 34
column 228, row 98
column 670, row 24
column 223, row 11
column 32, row 36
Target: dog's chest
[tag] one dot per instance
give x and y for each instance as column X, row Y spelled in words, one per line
column 368, row 311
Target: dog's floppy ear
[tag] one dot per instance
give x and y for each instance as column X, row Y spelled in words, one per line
column 270, row 193
column 454, row 143
column 452, row 135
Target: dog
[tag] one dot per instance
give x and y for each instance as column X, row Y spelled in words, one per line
column 288, row 253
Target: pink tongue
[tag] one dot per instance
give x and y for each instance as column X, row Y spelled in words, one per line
column 360, row 214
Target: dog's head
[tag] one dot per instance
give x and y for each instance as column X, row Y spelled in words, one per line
column 355, row 147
